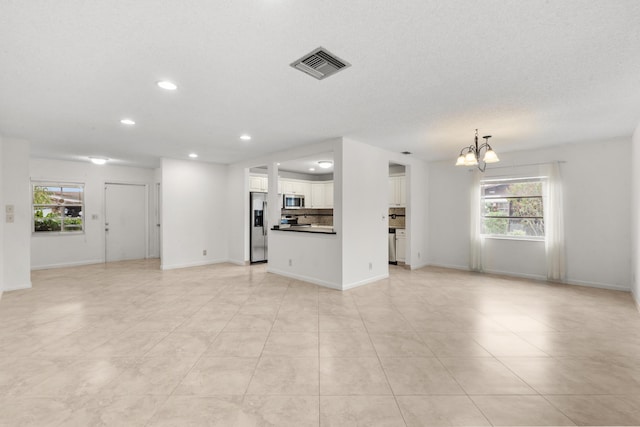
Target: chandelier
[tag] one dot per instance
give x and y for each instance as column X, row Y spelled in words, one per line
column 470, row 156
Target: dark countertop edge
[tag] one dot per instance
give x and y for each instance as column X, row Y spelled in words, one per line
column 304, row 231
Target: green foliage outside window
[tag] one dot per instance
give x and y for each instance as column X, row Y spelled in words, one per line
column 58, row 208
column 513, row 208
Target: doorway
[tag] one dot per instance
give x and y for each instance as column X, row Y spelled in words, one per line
column 125, row 221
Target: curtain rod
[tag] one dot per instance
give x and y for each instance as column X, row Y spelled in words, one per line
column 529, row 164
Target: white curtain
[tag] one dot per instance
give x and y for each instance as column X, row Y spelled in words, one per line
column 476, row 242
column 554, row 225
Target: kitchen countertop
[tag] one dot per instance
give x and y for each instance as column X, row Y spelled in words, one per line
column 307, row 229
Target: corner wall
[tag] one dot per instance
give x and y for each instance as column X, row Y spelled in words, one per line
column 597, row 215
column 194, row 208
column 365, row 226
column 14, row 157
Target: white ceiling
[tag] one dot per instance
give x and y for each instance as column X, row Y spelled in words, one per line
column 424, row 75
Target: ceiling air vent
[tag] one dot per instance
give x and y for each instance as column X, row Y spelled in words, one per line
column 320, row 63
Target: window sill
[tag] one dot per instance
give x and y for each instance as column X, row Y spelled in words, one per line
column 56, row 233
column 526, row 239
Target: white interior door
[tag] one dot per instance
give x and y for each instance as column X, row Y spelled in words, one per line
column 125, row 222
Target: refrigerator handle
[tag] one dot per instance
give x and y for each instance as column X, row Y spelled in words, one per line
column 265, row 223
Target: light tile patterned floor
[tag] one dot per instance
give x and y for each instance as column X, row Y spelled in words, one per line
column 126, row 344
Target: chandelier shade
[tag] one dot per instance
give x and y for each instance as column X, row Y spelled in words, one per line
column 471, row 155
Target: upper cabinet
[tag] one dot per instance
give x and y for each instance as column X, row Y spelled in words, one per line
column 321, row 195
column 258, row 183
column 317, row 194
column 397, row 191
column 290, row 186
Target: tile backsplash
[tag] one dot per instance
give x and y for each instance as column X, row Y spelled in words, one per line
column 311, row 216
column 399, row 220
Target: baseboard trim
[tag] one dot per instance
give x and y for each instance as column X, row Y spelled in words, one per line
column 518, row 275
column 597, row 285
column 542, row 278
column 18, row 287
column 193, row 264
column 304, row 278
column 67, row 264
column 451, row 266
column 238, row 262
column 365, row 282
column 418, row 266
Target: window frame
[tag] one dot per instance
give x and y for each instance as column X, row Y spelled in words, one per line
column 543, row 181
column 61, row 185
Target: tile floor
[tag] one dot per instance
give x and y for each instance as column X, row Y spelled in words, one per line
column 126, row 344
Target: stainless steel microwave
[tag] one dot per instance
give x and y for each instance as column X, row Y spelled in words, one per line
column 292, row 201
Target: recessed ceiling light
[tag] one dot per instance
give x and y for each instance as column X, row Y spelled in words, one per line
column 128, row 122
column 245, row 137
column 325, row 164
column 193, row 155
column 278, row 164
column 98, row 160
column 312, row 169
column 165, row 84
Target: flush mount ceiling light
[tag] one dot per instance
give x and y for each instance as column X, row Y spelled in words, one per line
column 127, row 122
column 167, row 85
column 325, row 164
column 98, row 160
column 193, row 155
column 245, row 137
column 470, row 156
column 312, row 169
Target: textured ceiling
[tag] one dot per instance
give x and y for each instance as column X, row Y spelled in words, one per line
column 424, row 75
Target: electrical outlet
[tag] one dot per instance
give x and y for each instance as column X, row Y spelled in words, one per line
column 370, row 266
column 9, row 209
column 10, row 218
column 204, row 252
column 290, row 263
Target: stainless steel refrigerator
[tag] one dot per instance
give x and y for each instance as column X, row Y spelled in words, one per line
column 259, row 226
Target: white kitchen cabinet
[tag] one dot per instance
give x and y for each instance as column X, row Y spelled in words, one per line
column 328, row 194
column 317, row 195
column 397, row 191
column 321, row 195
column 296, row 187
column 401, row 245
column 258, row 183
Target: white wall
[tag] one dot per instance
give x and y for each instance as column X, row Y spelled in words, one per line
column 194, row 207
column 596, row 179
column 15, row 236
column 2, row 216
column 635, row 216
column 365, row 209
column 50, row 251
column 238, row 214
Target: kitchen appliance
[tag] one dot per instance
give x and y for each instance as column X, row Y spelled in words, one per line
column 292, row 201
column 392, row 246
column 289, row 219
column 259, row 226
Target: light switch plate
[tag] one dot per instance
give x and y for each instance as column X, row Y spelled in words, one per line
column 9, row 209
column 10, row 218
column 94, row 216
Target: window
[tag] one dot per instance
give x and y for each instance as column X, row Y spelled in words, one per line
column 513, row 208
column 58, row 208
